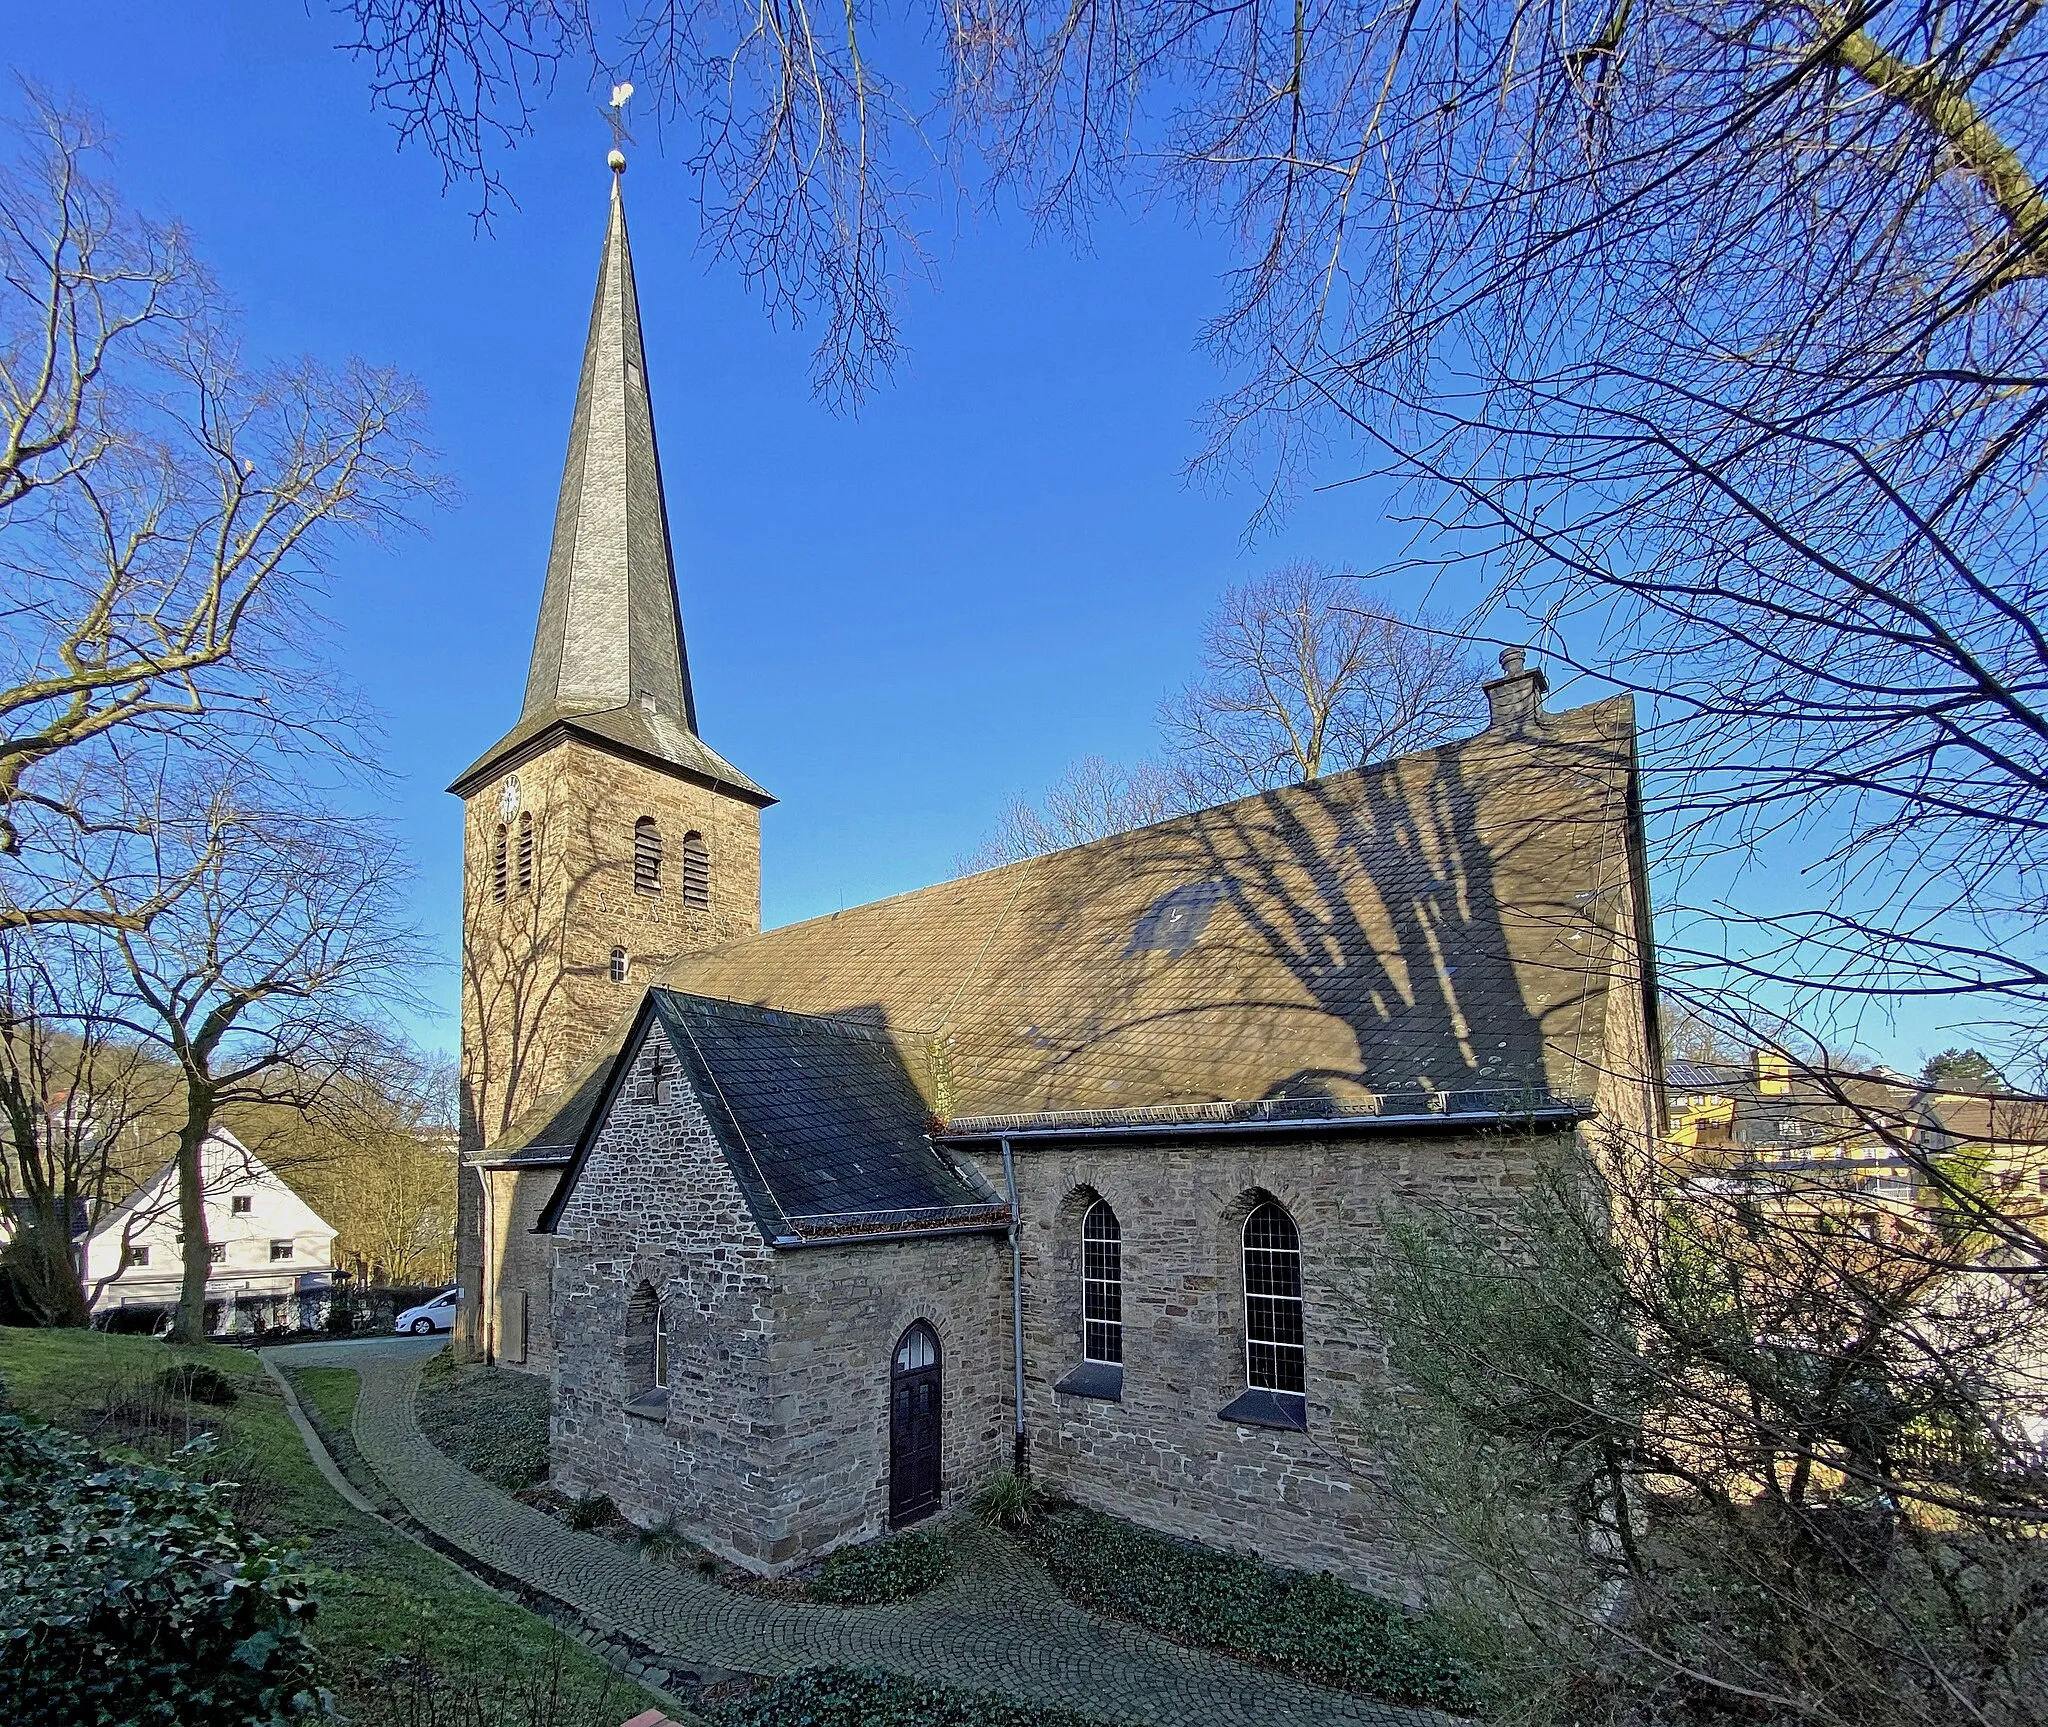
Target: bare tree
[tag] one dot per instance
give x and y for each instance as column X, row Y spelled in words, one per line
column 376, row 1157
column 73, row 1087
column 1093, row 799
column 260, row 982
column 1301, row 676
column 1713, row 328
column 167, row 514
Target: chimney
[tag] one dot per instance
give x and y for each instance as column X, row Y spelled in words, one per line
column 1515, row 698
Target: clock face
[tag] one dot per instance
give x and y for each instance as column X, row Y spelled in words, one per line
column 508, row 799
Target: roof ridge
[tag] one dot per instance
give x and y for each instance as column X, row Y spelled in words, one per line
column 1125, row 836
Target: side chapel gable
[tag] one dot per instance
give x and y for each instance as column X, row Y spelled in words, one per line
column 652, row 1166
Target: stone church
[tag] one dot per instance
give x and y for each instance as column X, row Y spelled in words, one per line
column 1067, row 1164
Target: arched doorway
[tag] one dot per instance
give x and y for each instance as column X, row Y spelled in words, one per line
column 914, row 1426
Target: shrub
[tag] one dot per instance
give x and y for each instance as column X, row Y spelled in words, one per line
column 1307, row 1624
column 1009, row 1501
column 198, row 1383
column 593, row 1512
column 127, row 1594
column 865, row 1697
column 892, row 1569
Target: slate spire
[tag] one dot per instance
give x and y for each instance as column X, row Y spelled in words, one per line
column 608, row 658
column 611, row 631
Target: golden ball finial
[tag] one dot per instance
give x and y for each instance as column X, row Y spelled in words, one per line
column 616, row 161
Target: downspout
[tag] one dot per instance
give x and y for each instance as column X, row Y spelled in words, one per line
column 1020, row 1461
column 487, row 1268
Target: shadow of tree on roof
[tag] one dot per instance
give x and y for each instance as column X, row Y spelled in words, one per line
column 1441, row 925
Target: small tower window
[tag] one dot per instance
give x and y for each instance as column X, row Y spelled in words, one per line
column 498, row 863
column 696, row 870
column 619, row 966
column 647, row 855
column 525, row 870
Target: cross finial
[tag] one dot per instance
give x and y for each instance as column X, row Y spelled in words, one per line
column 614, row 113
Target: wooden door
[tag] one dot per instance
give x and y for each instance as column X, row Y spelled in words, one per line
column 914, row 1401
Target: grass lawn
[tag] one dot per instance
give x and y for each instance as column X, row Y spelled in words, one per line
column 409, row 1641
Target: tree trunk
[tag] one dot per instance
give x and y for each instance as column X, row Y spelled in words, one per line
column 40, row 1274
column 190, row 1324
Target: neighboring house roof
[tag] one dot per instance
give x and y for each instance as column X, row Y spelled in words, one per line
column 14, row 1212
column 817, row 1119
column 1444, row 923
column 225, row 1163
column 1703, row 1076
column 608, row 657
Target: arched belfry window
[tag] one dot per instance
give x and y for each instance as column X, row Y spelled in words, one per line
column 696, row 870
column 498, row 862
column 1102, row 1286
column 647, row 855
column 1275, row 1356
column 620, row 965
column 524, row 868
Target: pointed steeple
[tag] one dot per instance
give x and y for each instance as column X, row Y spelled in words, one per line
column 611, row 631
column 608, row 654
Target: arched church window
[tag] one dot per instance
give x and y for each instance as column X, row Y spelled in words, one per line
column 498, row 863
column 524, row 870
column 1275, row 1355
column 646, row 1343
column 696, row 870
column 619, row 965
column 1102, row 1285
column 647, row 855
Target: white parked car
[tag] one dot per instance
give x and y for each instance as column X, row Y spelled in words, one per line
column 430, row 1316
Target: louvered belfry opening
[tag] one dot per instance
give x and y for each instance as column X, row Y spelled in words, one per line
column 498, row 863
column 646, row 855
column 696, row 870
column 524, row 872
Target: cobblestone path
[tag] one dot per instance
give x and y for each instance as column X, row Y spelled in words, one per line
column 997, row 1623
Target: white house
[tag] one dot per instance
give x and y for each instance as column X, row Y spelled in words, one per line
column 267, row 1244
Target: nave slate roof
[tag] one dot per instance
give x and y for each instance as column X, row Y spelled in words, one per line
column 1447, row 927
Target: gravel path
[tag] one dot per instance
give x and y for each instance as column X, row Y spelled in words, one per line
column 998, row 1623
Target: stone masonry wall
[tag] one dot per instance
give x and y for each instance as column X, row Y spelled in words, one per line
column 656, row 1205
column 1161, row 1456
column 538, row 996
column 773, row 1446
column 840, row 1312
column 521, row 1333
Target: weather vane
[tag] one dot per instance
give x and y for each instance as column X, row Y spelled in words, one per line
column 615, row 117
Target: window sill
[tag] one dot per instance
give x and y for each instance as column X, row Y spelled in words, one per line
column 1283, row 1409
column 1098, row 1379
column 649, row 1406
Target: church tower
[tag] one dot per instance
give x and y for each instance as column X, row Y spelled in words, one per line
column 602, row 837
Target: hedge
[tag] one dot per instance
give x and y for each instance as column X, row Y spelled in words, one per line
column 865, row 1697
column 1298, row 1621
column 892, row 1569
column 128, row 1595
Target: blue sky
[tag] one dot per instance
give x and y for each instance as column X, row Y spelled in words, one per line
column 897, row 620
